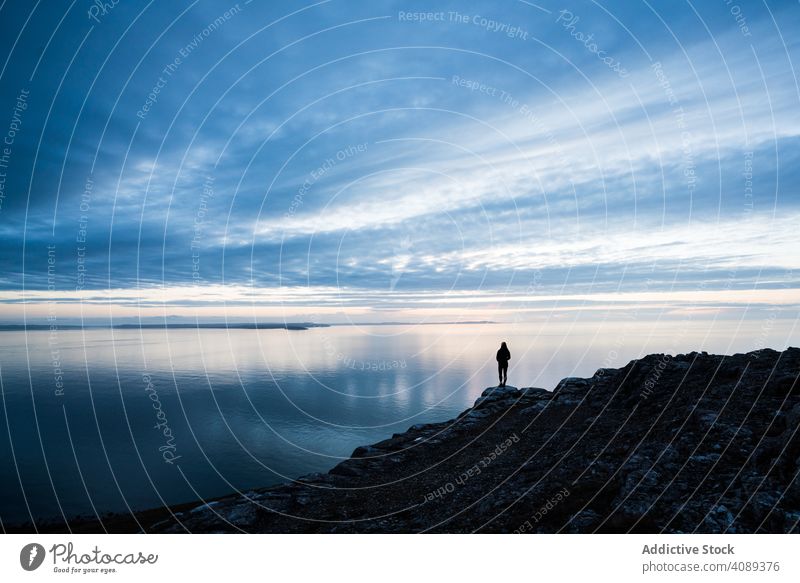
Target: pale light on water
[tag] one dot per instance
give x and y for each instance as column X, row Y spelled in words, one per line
column 249, row 408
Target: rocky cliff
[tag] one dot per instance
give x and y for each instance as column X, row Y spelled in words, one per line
column 686, row 443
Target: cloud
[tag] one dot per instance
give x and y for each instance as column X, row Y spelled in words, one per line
column 378, row 156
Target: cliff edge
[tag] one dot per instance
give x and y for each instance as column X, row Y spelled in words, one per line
column 686, row 443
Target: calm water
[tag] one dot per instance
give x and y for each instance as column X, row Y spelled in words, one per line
column 248, row 408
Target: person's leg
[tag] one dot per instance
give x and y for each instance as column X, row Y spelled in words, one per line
column 500, row 373
column 504, row 368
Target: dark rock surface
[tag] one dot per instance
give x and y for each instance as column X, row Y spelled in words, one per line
column 686, row 443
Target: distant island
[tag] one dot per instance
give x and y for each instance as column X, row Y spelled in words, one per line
column 169, row 326
column 677, row 444
column 220, row 325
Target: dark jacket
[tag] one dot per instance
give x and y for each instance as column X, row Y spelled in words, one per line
column 503, row 355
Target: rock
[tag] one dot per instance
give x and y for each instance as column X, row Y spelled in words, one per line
column 536, row 393
column 783, row 385
column 500, row 392
column 687, row 455
column 318, row 479
column 207, row 507
column 419, row 427
column 534, row 409
column 242, row 515
column 584, row 521
column 366, row 451
column 348, row 469
column 720, row 519
column 572, row 385
column 477, row 414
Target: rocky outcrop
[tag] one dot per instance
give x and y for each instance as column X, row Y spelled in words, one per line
column 686, row 443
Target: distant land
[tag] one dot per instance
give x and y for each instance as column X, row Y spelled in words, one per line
column 220, row 325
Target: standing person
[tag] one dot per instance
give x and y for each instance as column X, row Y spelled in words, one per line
column 503, row 356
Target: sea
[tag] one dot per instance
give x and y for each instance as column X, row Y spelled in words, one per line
column 103, row 420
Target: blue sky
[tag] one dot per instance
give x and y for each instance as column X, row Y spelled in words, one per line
column 373, row 161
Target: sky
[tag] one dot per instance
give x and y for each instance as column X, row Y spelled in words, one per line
column 398, row 161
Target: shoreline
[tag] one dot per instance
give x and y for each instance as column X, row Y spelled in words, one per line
column 686, row 443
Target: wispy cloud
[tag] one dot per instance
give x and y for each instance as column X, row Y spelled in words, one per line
column 390, row 165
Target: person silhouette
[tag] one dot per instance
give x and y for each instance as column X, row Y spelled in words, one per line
column 503, row 356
